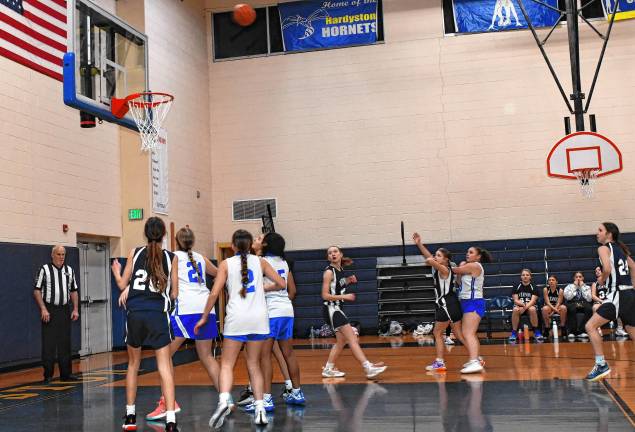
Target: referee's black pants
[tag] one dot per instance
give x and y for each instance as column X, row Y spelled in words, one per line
column 56, row 341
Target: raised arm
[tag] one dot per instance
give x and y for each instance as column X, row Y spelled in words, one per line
column 424, row 250
column 472, row 269
column 122, row 281
column 444, row 272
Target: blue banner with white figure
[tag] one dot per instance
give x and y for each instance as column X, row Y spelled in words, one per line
column 625, row 9
column 320, row 24
column 473, row 16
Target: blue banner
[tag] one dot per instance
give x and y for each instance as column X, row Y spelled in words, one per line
column 625, row 9
column 315, row 24
column 473, row 16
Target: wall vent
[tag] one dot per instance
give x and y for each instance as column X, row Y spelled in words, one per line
column 246, row 210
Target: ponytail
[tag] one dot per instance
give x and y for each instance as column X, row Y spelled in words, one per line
column 486, row 256
column 242, row 241
column 244, row 272
column 199, row 276
column 615, row 232
column 155, row 230
column 185, row 242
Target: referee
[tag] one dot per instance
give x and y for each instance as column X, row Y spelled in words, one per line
column 55, row 286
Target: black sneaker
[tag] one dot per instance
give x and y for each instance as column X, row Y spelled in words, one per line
column 171, row 427
column 130, row 423
column 70, row 377
column 246, row 397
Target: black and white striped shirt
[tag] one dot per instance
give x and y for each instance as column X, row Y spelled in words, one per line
column 56, row 284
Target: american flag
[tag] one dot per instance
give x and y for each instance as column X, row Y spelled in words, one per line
column 33, row 33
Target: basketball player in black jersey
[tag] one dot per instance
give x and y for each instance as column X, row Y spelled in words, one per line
column 148, row 287
column 447, row 308
column 598, row 289
column 617, row 271
column 334, row 294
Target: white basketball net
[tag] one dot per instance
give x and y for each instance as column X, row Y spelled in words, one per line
column 149, row 111
column 587, row 178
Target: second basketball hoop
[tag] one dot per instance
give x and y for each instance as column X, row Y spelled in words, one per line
column 149, row 111
column 584, row 156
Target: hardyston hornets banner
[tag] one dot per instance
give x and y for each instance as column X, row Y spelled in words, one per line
column 326, row 24
column 473, row 16
column 625, row 9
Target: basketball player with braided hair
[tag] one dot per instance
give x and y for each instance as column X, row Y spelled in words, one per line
column 148, row 286
column 193, row 293
column 246, row 321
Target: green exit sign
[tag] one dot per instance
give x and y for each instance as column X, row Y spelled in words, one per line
column 135, row 214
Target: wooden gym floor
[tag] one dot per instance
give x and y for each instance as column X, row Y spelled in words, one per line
column 526, row 387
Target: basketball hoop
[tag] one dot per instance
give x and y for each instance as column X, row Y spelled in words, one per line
column 149, row 110
column 584, row 156
column 587, row 178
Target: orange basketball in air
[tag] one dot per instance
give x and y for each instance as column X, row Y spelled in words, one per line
column 244, row 15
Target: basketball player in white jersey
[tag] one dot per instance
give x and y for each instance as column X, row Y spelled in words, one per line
column 447, row 308
column 281, row 316
column 246, row 322
column 148, row 285
column 190, row 303
column 472, row 302
column 618, row 272
column 246, row 396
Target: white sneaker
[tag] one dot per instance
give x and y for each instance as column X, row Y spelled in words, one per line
column 480, row 360
column 449, row 340
column 222, row 411
column 332, row 373
column 620, row 332
column 583, row 336
column 472, row 366
column 260, row 417
column 372, row 371
column 571, row 336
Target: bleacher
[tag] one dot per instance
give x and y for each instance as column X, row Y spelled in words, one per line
column 560, row 256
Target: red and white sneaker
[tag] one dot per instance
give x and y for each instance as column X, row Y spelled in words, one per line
column 160, row 411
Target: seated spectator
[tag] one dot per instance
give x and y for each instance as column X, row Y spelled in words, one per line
column 525, row 297
column 579, row 300
column 598, row 289
column 554, row 304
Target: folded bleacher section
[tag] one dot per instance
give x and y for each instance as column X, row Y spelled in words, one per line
column 561, row 256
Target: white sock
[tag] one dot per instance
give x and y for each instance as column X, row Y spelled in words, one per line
column 440, row 360
column 329, row 365
column 267, row 396
column 367, row 364
column 296, row 391
column 224, row 397
column 288, row 384
column 130, row 410
column 259, row 405
column 170, row 417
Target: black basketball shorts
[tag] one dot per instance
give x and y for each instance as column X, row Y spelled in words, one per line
column 334, row 316
column 625, row 309
column 148, row 328
column 448, row 310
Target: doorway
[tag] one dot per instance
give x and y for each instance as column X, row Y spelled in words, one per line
column 94, row 288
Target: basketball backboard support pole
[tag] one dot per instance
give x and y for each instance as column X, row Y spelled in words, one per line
column 106, row 58
column 572, row 13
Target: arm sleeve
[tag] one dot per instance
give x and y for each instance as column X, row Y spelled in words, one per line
column 74, row 287
column 586, row 293
column 40, row 279
column 569, row 292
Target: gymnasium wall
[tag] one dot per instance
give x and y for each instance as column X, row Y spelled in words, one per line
column 178, row 45
column 51, row 171
column 448, row 133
